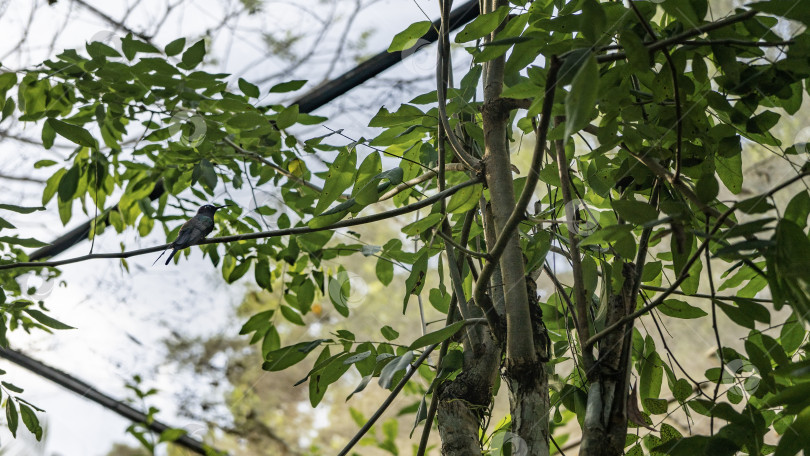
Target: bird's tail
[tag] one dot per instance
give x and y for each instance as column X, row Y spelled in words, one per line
column 171, row 256
column 161, row 254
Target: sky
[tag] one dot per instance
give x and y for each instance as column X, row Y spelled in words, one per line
column 122, row 317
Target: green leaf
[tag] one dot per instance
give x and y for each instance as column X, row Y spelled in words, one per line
column 175, row 47
column 237, row 272
column 420, row 226
column 465, row 199
column 262, row 275
column 797, row 209
column 408, row 38
column 437, row 336
column 610, row 233
column 651, row 375
column 12, row 387
column 24, row 242
column 287, row 117
column 389, row 333
column 684, row 11
column 385, row 271
column 637, row 54
column 171, row 435
column 680, row 309
column 47, row 320
column 48, row 135
column 20, row 209
column 416, row 279
column 193, row 55
column 289, row 86
column 707, row 188
column 292, row 316
column 635, row 211
column 581, row 99
column 339, row 177
column 31, row 421
column 131, row 46
column 790, row 9
column 788, row 263
column 69, row 184
column 655, row 406
column 73, row 133
column 12, row 419
column 482, row 25
column 283, row 358
column 257, row 322
column 730, row 171
column 593, row 21
column 248, row 89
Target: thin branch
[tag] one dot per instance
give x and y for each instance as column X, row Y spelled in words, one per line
column 377, row 414
column 427, row 175
column 705, row 296
column 449, row 239
column 395, row 392
column 258, row 235
column 442, row 67
column 22, row 179
column 715, row 328
column 278, row 169
column 434, row 400
column 580, row 299
column 733, row 42
column 677, row 39
column 675, row 87
column 118, row 24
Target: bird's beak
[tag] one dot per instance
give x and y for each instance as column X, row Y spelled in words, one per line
column 220, row 207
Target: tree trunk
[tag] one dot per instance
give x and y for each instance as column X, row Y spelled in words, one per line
column 605, row 428
column 524, row 373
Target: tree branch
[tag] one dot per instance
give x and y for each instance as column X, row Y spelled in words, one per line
column 685, row 271
column 258, row 235
column 580, row 299
column 680, row 38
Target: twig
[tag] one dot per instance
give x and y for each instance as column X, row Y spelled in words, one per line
column 443, row 60
column 677, row 39
column 715, row 328
column 675, row 87
column 377, row 414
column 580, row 299
column 421, row 178
column 449, row 239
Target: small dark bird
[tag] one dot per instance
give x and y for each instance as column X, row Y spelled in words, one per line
column 194, row 230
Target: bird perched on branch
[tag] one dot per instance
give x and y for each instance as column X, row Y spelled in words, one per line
column 194, row 230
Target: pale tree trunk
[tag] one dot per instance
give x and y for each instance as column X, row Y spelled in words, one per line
column 524, row 372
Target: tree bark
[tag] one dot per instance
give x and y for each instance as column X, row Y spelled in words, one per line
column 465, row 401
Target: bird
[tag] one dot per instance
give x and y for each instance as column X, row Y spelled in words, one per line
column 194, row 230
